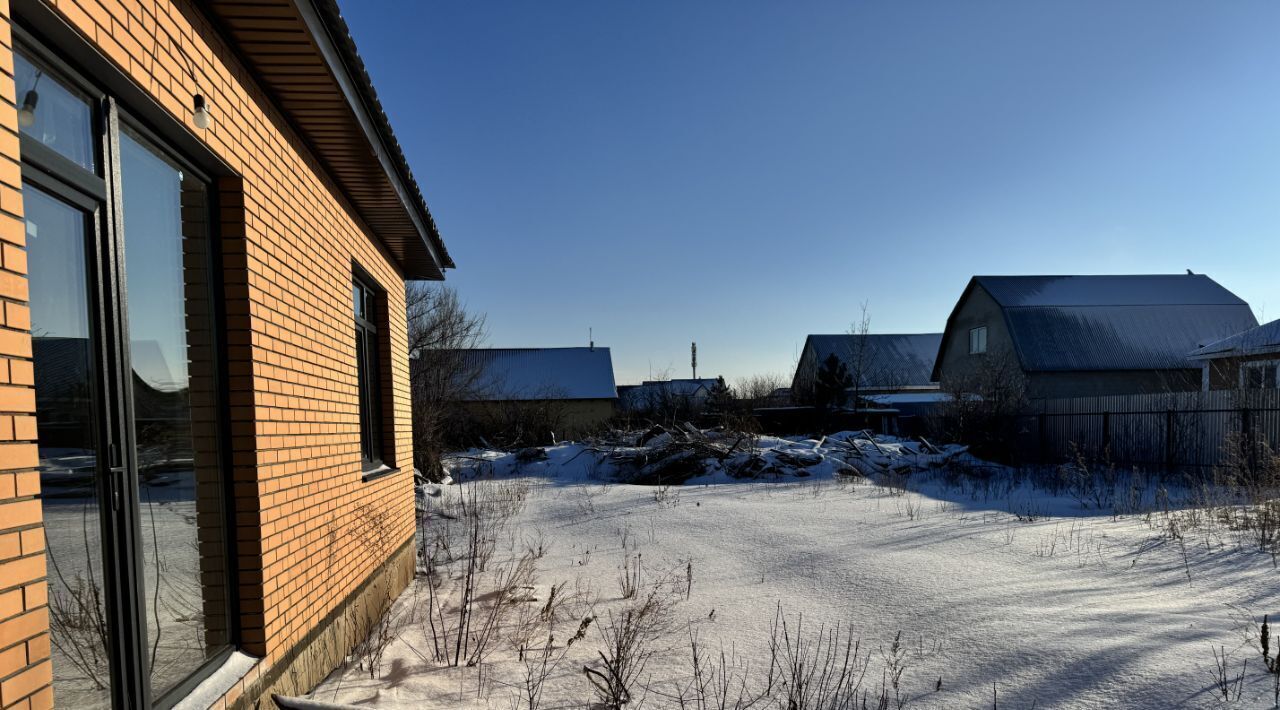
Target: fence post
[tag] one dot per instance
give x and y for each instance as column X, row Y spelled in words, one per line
column 1042, row 433
column 1246, row 440
column 1106, row 434
column 1169, row 443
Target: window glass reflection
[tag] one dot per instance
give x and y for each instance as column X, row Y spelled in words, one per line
column 64, row 375
column 170, row 342
column 54, row 114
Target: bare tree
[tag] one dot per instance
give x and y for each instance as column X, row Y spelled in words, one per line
column 867, row 370
column 441, row 330
column 983, row 403
column 536, row 417
column 662, row 400
column 860, row 360
column 757, row 390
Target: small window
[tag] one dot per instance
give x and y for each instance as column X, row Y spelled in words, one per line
column 54, row 113
column 1259, row 375
column 978, row 340
column 365, row 301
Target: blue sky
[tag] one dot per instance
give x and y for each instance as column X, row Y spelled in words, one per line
column 745, row 173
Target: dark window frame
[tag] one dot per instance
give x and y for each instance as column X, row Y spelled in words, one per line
column 36, row 30
column 1267, row 373
column 369, row 329
column 981, row 333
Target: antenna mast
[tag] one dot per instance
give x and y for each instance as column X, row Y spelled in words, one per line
column 693, row 358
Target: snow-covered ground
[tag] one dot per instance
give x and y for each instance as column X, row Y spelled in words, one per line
column 998, row 588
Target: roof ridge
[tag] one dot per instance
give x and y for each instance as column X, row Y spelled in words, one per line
column 1130, row 305
column 549, row 347
column 1078, row 276
column 852, row 335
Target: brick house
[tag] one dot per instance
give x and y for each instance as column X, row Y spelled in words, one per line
column 206, row 226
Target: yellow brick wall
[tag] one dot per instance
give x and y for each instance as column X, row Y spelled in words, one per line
column 25, row 671
column 289, row 241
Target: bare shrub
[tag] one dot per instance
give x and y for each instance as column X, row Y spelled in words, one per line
column 1227, row 685
column 716, row 683
column 538, row 421
column 542, row 665
column 666, row 496
column 629, row 576
column 628, row 638
column 1090, row 480
column 912, row 507
column 384, row 623
column 823, row 670
column 1250, row 465
column 374, row 532
column 465, row 613
column 982, row 405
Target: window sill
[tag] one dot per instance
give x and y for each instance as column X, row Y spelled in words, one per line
column 220, row 681
column 374, row 474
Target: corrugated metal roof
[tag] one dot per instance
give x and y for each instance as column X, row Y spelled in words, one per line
column 1137, row 290
column 893, row 360
column 508, row 374
column 1261, row 340
column 654, row 393
column 1142, row 322
column 1118, row 337
column 683, row 387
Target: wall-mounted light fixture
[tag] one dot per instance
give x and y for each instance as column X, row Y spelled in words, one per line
column 200, row 112
column 27, row 112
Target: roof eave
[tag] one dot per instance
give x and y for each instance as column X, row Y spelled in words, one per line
column 1235, row 352
column 324, row 20
column 337, row 116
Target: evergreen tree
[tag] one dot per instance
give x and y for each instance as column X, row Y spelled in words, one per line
column 720, row 399
column 830, row 387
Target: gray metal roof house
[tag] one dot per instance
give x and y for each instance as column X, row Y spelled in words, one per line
column 883, row 363
column 574, row 386
column 1080, row 336
column 658, row 394
column 524, row 374
column 1247, row 360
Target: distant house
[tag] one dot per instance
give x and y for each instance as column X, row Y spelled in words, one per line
column 780, row 397
column 883, row 364
column 577, row 381
column 1247, row 360
column 1080, row 336
column 683, row 395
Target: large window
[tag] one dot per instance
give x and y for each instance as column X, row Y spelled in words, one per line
column 978, row 340
column 124, row 349
column 1259, row 375
column 365, row 301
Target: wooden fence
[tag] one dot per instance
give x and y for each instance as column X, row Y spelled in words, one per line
column 1184, row 430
